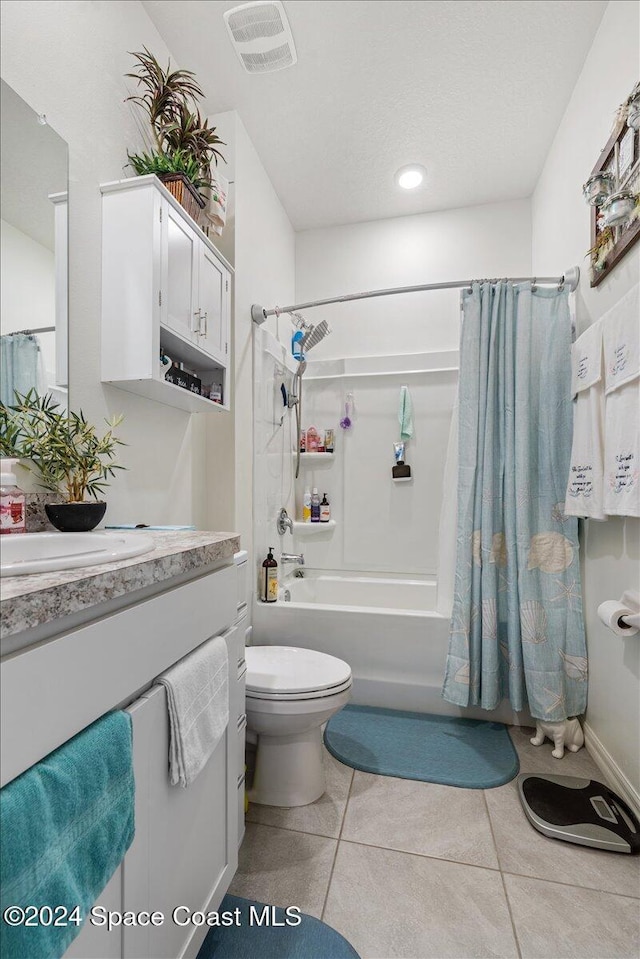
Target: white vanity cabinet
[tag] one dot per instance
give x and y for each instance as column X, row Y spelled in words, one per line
column 185, row 848
column 164, row 287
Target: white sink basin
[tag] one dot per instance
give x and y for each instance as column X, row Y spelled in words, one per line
column 23, row 553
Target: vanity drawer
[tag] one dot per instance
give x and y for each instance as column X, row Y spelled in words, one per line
column 242, row 581
column 240, row 810
column 232, row 639
column 242, row 735
column 241, row 686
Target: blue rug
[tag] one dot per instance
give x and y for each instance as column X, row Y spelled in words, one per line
column 247, row 939
column 436, row 749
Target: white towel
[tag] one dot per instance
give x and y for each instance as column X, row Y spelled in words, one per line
column 585, row 485
column 198, row 701
column 621, row 337
column 217, row 210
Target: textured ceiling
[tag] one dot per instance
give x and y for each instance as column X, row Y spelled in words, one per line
column 474, row 91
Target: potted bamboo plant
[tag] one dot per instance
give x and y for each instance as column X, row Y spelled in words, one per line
column 65, row 453
column 184, row 144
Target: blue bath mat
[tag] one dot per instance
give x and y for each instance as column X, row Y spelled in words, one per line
column 312, row 939
column 435, row 749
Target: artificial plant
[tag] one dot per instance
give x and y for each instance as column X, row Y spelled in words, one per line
column 60, row 446
column 183, row 141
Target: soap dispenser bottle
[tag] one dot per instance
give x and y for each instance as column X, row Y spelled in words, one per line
column 12, row 500
column 269, row 579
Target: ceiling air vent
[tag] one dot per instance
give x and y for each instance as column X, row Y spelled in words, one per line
column 261, row 36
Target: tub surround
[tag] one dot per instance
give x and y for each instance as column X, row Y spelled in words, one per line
column 27, row 602
column 385, row 626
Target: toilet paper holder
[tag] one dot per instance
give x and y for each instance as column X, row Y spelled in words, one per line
column 622, row 616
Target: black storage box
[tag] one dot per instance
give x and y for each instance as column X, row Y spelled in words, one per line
column 186, row 380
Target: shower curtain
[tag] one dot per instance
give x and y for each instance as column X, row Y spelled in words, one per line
column 20, row 365
column 516, row 626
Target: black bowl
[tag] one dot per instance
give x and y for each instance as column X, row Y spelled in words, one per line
column 75, row 517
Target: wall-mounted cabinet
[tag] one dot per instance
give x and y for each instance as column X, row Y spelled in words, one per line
column 165, row 289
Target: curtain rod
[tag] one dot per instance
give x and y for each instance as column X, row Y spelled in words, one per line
column 42, row 329
column 570, row 279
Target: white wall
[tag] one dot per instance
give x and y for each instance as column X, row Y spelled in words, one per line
column 263, row 253
column 67, row 60
column 384, row 525
column 561, row 238
column 28, row 289
column 474, row 242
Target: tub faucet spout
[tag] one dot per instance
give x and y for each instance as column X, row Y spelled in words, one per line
column 292, row 558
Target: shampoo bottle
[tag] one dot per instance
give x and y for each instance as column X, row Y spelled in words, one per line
column 325, row 510
column 269, row 579
column 315, row 506
column 12, row 501
column 306, row 506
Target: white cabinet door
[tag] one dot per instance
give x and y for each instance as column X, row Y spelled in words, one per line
column 213, row 289
column 181, row 248
column 96, row 941
column 181, row 854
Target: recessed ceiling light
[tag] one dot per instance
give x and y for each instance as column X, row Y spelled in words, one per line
column 409, row 177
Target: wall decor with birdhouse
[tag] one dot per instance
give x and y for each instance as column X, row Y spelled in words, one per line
column 613, row 192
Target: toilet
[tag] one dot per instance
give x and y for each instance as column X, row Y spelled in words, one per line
column 290, row 693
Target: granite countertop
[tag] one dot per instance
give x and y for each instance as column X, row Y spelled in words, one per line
column 30, row 601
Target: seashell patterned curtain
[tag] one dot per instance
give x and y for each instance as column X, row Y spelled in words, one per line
column 517, row 629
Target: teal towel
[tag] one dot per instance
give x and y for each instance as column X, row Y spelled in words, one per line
column 65, row 824
column 405, row 414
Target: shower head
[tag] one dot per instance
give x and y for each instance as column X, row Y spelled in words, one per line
column 314, row 335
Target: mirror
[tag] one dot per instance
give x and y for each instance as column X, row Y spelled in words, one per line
column 34, row 253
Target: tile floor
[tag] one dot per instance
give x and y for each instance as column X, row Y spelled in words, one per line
column 411, row 870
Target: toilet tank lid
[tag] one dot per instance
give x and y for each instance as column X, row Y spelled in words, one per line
column 289, row 669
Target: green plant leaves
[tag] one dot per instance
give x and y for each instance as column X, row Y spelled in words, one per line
column 184, row 140
column 61, row 446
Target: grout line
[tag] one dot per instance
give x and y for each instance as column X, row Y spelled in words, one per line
column 302, row 832
column 502, row 880
column 572, row 885
column 335, row 855
column 420, row 855
column 299, row 832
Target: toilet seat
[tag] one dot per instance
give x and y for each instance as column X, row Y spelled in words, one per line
column 299, row 697
column 289, row 673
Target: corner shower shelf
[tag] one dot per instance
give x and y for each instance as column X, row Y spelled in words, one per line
column 308, row 458
column 306, row 528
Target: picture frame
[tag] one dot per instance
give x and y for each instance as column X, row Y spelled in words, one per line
column 620, row 157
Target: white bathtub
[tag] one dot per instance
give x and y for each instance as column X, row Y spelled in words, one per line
column 384, row 625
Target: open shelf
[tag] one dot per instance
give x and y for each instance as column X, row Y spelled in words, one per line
column 311, row 528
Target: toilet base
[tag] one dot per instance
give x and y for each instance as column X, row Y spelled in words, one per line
column 289, row 770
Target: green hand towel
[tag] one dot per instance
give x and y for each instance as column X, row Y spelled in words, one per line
column 405, row 414
column 65, row 824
